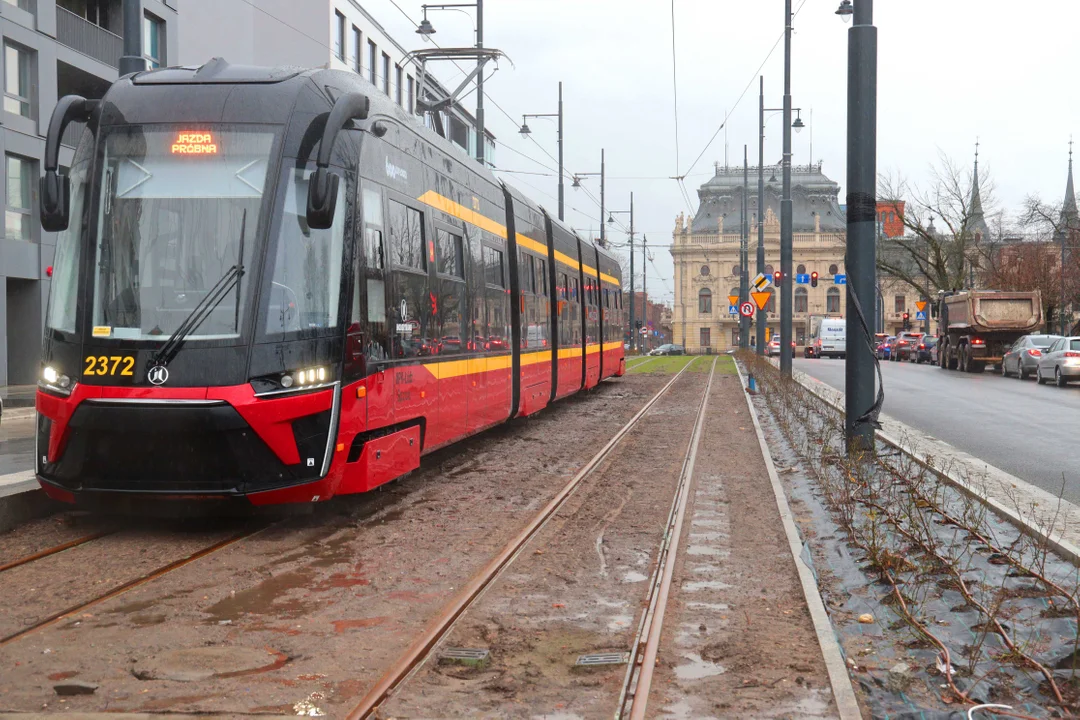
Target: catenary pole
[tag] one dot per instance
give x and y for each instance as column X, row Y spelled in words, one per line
column 785, row 209
column 762, row 316
column 561, row 173
column 132, row 60
column 861, row 224
column 744, row 255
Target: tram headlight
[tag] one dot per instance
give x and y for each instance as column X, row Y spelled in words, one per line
column 307, row 376
column 53, row 378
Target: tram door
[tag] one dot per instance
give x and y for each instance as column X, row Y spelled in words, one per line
column 371, row 287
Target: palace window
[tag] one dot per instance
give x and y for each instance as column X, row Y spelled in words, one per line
column 704, row 301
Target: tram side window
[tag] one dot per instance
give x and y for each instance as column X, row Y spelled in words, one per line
column 493, row 266
column 476, row 290
column 449, row 254
column 449, row 309
column 412, row 306
column 574, row 289
column 563, row 286
column 406, row 237
column 372, row 278
column 541, row 277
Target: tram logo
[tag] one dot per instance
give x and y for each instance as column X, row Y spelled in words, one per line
column 395, row 173
column 157, row 375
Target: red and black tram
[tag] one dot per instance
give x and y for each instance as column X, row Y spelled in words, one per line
column 276, row 285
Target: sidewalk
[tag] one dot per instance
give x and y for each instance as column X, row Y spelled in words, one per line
column 17, row 396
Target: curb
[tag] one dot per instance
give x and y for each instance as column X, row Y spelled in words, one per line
column 1069, row 513
column 847, row 705
column 19, row 413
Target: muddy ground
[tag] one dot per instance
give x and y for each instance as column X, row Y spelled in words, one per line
column 305, row 614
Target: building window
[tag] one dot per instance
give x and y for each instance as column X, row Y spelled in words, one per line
column 17, row 210
column 770, row 307
column 372, row 62
column 832, row 300
column 734, row 336
column 339, row 35
column 801, row 270
column 386, row 74
column 833, row 269
column 736, row 270
column 153, row 41
column 705, row 337
column 769, row 271
column 356, row 50
column 21, row 4
column 704, row 301
column 801, row 302
column 899, row 304
column 398, row 85
column 412, row 95
column 705, row 270
column 18, row 66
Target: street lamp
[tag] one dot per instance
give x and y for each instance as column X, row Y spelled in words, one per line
column 526, row 131
column 785, row 282
column 577, row 183
column 425, row 29
column 845, row 11
column 611, row 221
column 861, row 406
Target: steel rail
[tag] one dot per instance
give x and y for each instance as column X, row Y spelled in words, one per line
column 53, row 550
column 421, row 648
column 123, row 588
column 639, row 671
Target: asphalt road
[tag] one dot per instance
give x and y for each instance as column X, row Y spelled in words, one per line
column 16, row 445
column 1031, row 431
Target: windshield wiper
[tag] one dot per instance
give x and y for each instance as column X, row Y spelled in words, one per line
column 198, row 314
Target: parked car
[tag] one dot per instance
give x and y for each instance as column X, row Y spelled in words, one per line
column 924, row 350
column 934, row 351
column 1023, row 357
column 1060, row 361
column 668, row 349
column 884, row 350
column 774, row 348
column 906, row 343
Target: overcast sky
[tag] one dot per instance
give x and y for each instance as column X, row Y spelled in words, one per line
column 948, row 71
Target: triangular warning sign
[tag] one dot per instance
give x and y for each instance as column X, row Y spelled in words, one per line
column 732, row 299
column 920, row 305
column 761, row 298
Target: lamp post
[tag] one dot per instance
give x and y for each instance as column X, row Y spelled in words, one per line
column 611, row 221
column 798, row 125
column 425, row 28
column 526, row 131
column 744, row 256
column 860, row 405
column 132, row 59
column 577, row 183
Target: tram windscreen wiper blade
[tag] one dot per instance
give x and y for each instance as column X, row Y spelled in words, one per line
column 198, row 314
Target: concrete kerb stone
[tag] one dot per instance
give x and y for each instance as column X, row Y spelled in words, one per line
column 847, row 705
column 1032, row 509
column 22, row 499
column 18, row 413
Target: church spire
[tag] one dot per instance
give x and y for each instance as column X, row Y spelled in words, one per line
column 978, row 221
column 1070, row 217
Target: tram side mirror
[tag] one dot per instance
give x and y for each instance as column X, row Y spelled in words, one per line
column 55, row 201
column 322, row 198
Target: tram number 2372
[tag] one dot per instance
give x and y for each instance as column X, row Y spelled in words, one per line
column 109, row 365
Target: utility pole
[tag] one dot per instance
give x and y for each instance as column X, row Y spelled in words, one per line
column 603, row 225
column 744, row 254
column 786, row 210
column 644, row 292
column 481, row 156
column 633, row 300
column 762, row 316
column 132, row 60
column 861, row 224
column 561, row 173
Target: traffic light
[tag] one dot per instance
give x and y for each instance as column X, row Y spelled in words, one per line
column 777, row 277
column 637, row 324
column 813, row 279
column 907, row 321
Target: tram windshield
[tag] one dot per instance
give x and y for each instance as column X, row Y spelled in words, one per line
column 178, row 206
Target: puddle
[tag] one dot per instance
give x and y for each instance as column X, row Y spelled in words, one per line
column 707, row 569
column 697, row 669
column 620, row 622
column 266, row 598
column 708, row 523
column 633, row 577
column 709, row 536
column 705, row 550
column 705, row 585
column 719, row 607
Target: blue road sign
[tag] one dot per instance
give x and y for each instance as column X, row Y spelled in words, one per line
column 733, row 309
column 802, row 278
column 920, row 315
column 840, row 279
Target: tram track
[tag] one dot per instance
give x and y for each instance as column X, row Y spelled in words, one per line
column 27, row 559
column 424, row 646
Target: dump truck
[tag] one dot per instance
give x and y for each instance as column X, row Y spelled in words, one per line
column 978, row 326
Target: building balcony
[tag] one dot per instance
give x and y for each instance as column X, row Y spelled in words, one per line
column 87, row 38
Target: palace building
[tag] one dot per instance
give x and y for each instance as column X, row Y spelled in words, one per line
column 705, row 251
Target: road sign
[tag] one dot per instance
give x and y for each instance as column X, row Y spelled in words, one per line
column 733, row 299
column 920, row 315
column 747, row 308
column 761, row 298
column 802, row 278
column 644, row 331
column 733, row 309
column 840, row 279
column 920, row 305
column 761, row 281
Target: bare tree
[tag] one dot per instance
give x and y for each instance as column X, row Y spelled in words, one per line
column 929, row 257
column 1057, row 228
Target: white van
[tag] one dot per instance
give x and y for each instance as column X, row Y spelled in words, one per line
column 830, row 340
